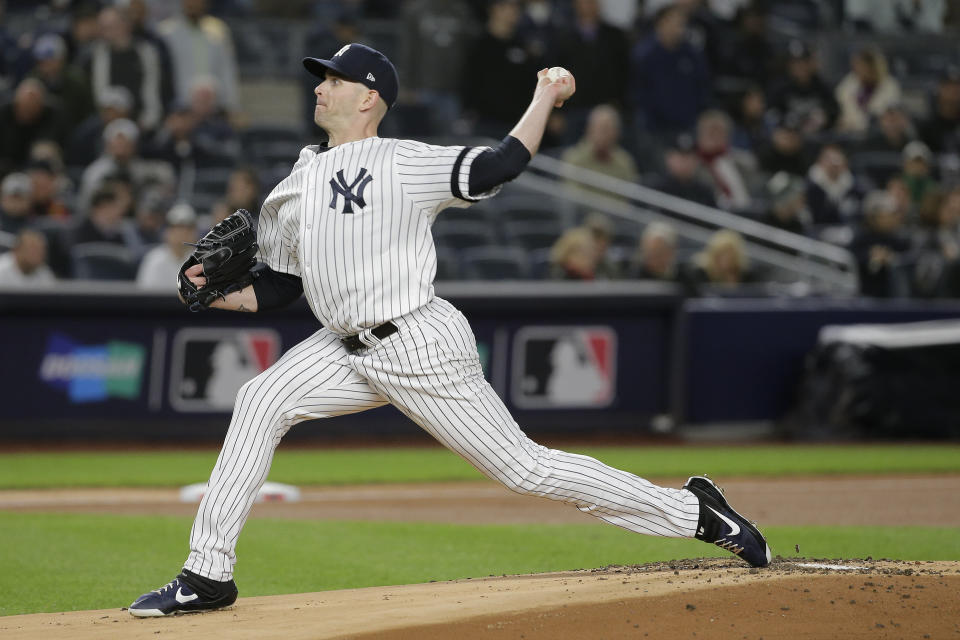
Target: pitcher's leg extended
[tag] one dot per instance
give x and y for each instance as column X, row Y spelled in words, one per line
column 309, row 381
column 432, row 373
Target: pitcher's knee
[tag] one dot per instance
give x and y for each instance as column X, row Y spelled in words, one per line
column 527, row 469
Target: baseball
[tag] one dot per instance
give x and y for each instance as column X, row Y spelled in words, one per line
column 555, row 73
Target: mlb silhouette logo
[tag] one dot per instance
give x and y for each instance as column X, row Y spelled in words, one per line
column 210, row 365
column 564, row 367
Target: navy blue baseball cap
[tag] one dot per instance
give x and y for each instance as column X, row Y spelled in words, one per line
column 360, row 63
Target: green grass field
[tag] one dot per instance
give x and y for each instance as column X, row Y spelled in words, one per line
column 60, row 562
column 326, row 467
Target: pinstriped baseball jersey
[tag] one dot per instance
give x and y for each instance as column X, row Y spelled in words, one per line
column 354, row 222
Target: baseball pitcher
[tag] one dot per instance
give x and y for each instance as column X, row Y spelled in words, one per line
column 349, row 228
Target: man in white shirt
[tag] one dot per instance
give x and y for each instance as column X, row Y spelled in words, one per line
column 25, row 265
column 161, row 265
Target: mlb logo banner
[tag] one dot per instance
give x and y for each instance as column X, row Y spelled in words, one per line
column 209, row 366
column 564, row 367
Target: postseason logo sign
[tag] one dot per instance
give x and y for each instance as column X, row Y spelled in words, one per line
column 93, row 373
column 564, row 367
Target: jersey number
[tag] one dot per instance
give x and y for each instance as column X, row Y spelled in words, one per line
column 351, row 192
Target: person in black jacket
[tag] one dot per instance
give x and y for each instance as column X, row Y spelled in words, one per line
column 497, row 72
column 880, row 247
column 598, row 55
column 803, row 95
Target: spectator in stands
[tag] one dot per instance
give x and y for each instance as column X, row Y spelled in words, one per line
column 788, row 203
column 896, row 16
column 106, row 223
column 219, row 211
column 599, row 149
column 120, row 157
column 117, row 59
column 243, row 190
column 938, row 250
column 918, row 175
column 941, row 131
column 602, row 229
column 8, row 50
column 497, row 72
column 730, row 169
column 656, row 256
column 879, row 246
column 201, row 45
column 48, row 190
column 85, row 143
column 160, row 266
column 832, row 191
column 892, row 132
column 752, row 127
column 597, row 54
column 175, row 142
column 67, row 83
column 83, row 30
column 723, row 262
column 139, row 13
column 866, row 91
column 685, row 176
column 29, row 117
column 15, row 209
column 434, row 36
column 150, row 217
column 574, row 256
column 749, row 55
column 803, row 96
column 214, row 134
column 669, row 79
column 896, row 188
column 26, row 264
column 787, row 150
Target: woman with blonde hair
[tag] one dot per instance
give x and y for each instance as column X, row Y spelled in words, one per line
column 574, row 256
column 723, row 261
column 866, row 92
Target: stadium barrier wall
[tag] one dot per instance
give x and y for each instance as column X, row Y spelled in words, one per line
column 567, row 358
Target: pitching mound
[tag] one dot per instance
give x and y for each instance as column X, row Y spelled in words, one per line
column 700, row 598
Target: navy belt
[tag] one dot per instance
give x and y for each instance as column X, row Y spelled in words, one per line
column 354, row 343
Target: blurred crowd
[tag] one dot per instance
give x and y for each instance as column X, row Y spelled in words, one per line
column 123, row 136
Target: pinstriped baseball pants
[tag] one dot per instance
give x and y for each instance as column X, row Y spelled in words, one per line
column 429, row 370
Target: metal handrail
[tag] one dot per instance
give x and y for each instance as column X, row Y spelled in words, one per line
column 830, row 264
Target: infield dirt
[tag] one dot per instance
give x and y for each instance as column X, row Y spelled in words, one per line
column 715, row 599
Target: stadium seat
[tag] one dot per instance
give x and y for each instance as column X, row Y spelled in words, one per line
column 540, row 264
column 212, row 180
column 530, row 207
column 626, row 237
column 876, row 166
column 448, row 264
column 532, row 235
column 7, row 240
column 462, row 234
column 495, row 263
column 102, row 261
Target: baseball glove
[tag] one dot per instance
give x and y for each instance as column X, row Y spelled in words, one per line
column 227, row 253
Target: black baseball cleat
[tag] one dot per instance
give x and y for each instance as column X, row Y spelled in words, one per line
column 179, row 596
column 724, row 527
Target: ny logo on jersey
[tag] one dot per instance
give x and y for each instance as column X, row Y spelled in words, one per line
column 340, row 187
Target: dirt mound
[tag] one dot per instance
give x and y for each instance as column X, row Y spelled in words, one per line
column 696, row 598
